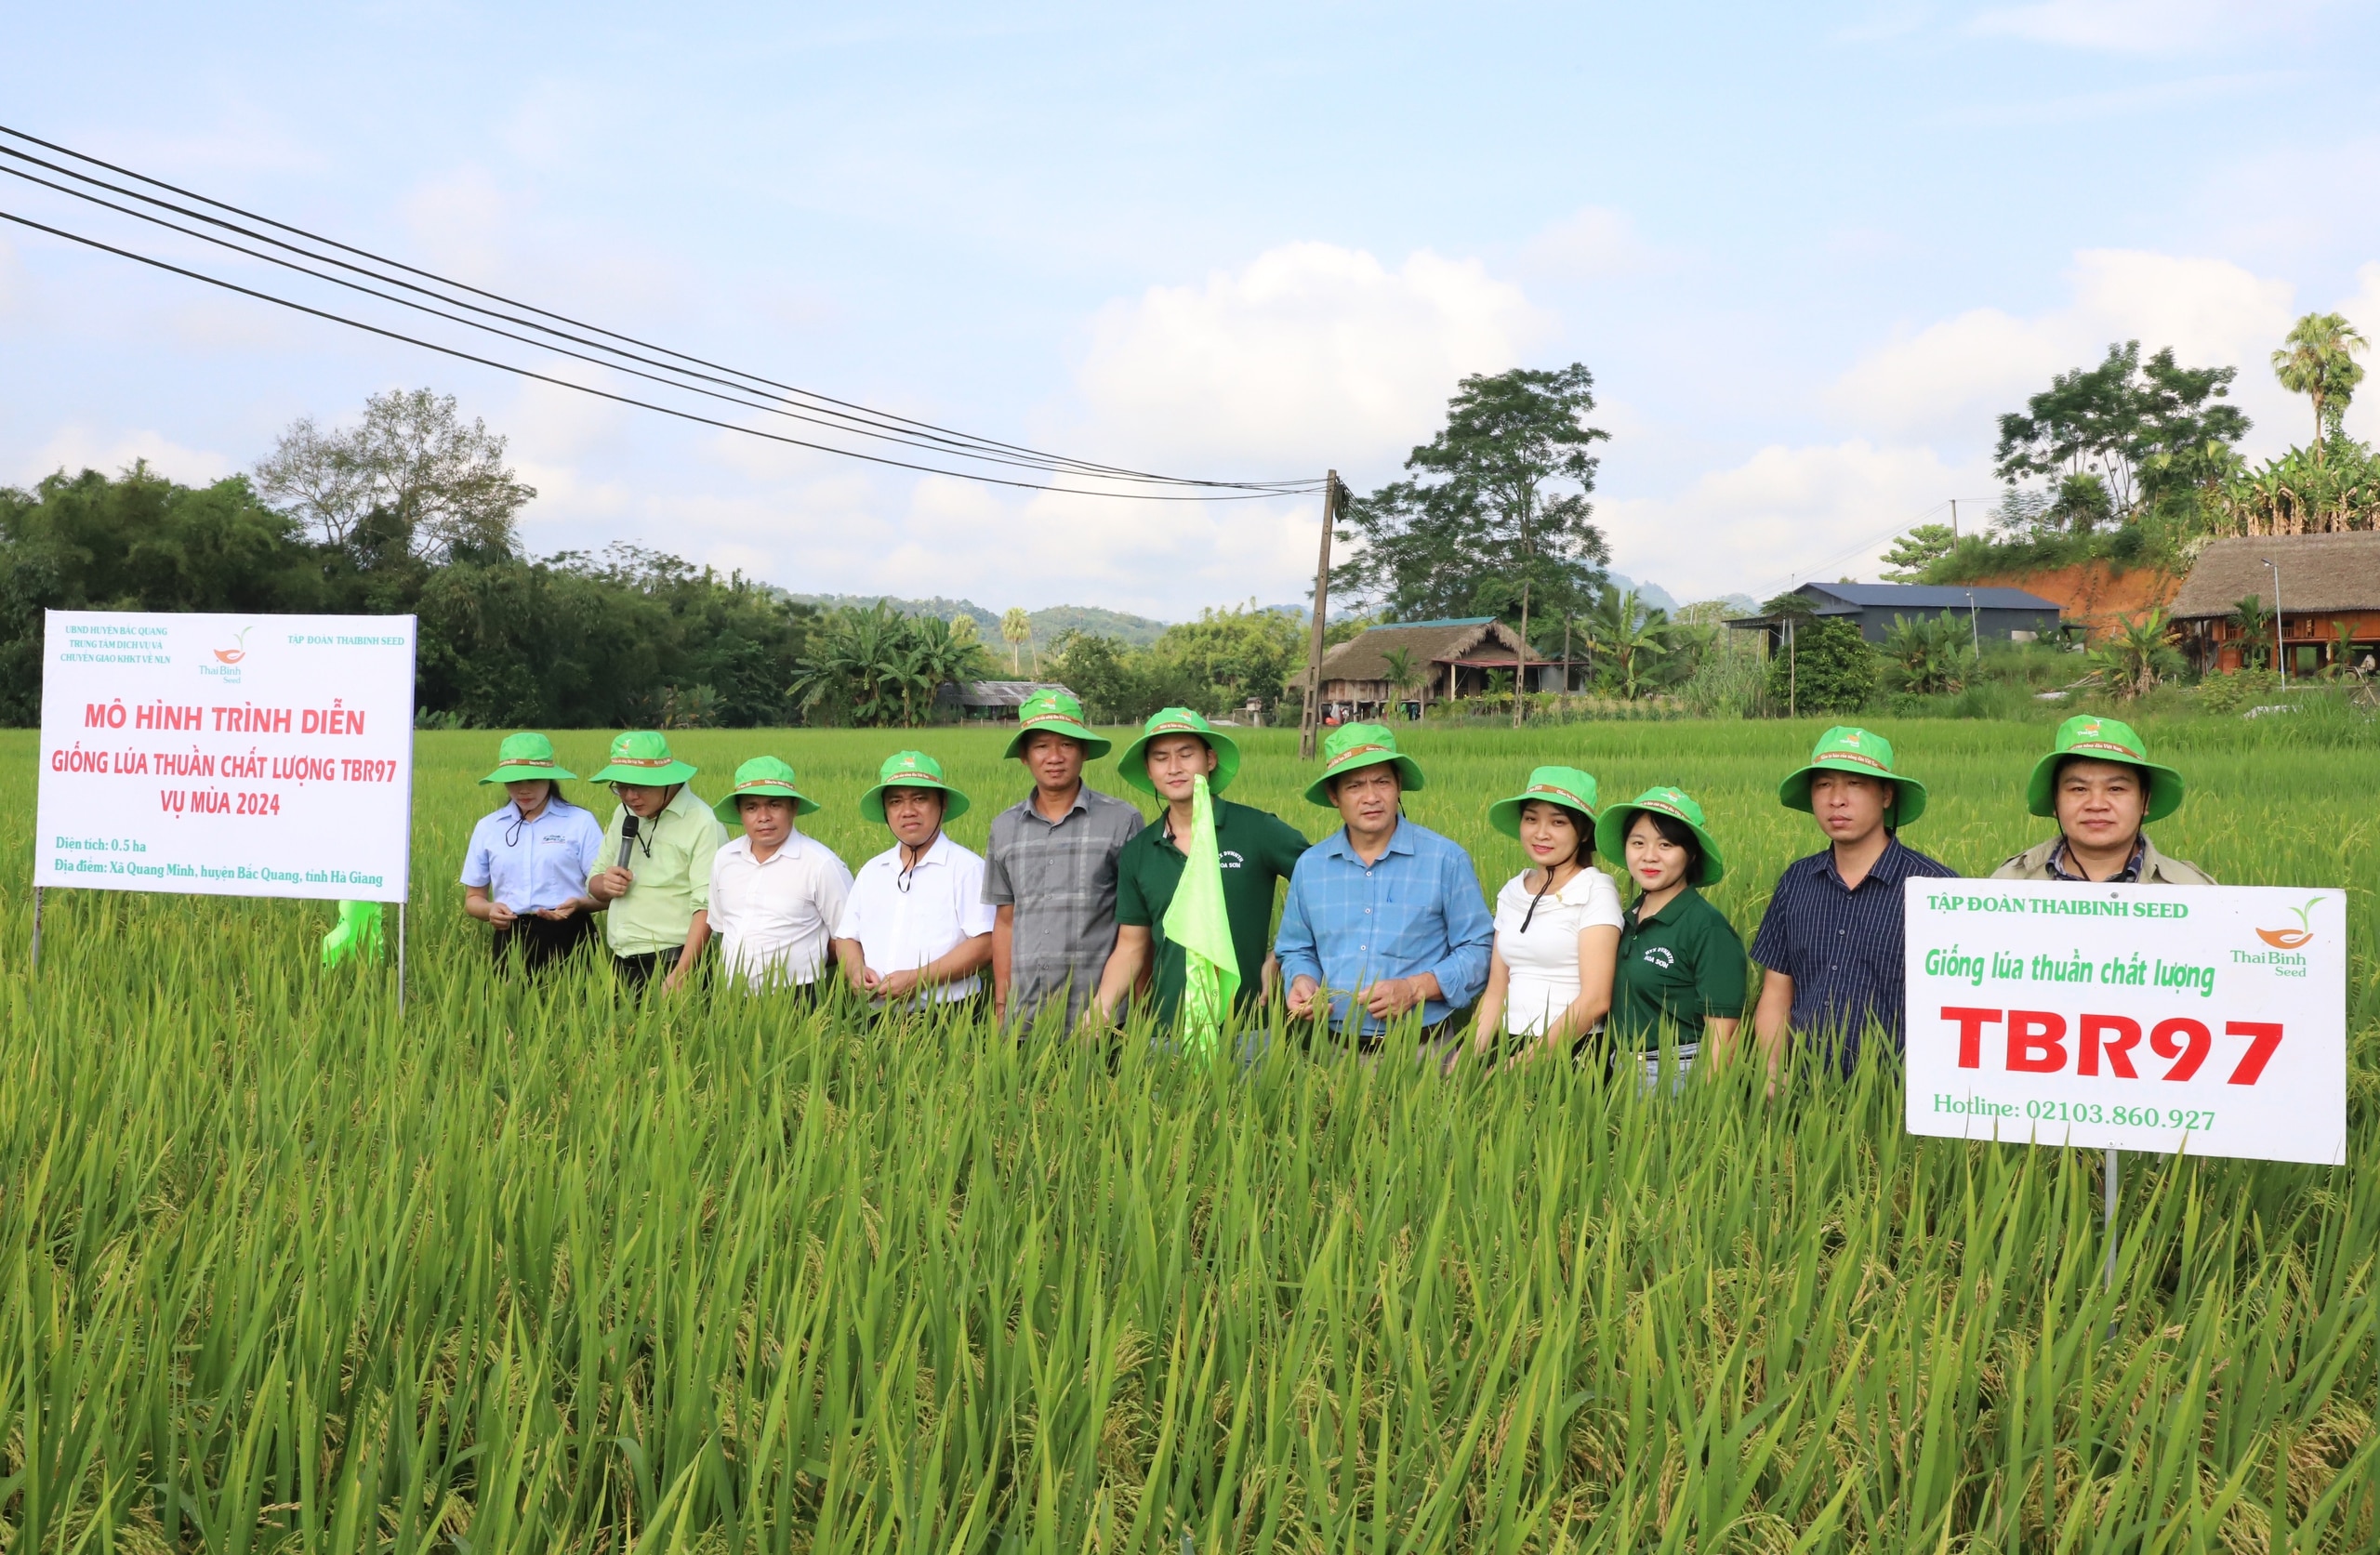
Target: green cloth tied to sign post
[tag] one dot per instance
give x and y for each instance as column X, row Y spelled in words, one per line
column 357, row 933
column 1198, row 923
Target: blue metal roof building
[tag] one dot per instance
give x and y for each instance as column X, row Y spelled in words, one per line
column 1997, row 614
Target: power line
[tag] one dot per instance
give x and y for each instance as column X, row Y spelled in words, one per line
column 623, row 399
column 774, row 398
column 762, row 405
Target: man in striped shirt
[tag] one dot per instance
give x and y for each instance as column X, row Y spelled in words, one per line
column 1831, row 942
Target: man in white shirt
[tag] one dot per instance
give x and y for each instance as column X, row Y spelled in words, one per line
column 774, row 894
column 915, row 927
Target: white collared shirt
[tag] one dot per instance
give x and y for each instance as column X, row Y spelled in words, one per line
column 774, row 917
column 902, row 930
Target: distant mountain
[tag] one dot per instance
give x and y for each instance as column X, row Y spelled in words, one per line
column 1047, row 624
column 1138, row 630
column 1652, row 594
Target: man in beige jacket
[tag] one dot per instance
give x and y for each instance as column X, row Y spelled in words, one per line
column 2102, row 788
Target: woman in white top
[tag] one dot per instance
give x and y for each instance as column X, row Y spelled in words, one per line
column 1557, row 923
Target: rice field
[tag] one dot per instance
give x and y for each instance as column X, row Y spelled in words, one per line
column 538, row 1271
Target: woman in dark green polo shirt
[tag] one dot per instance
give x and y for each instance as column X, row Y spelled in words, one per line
column 1681, row 962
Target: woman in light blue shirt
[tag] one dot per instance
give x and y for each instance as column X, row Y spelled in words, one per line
column 525, row 872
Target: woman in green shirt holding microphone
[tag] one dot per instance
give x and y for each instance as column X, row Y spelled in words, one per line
column 1680, row 967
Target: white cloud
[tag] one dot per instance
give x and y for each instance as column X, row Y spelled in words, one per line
column 1785, row 514
column 1311, row 356
column 1953, row 378
column 2144, row 26
column 1594, row 244
column 75, row 448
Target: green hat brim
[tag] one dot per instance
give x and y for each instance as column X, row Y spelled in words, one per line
column 1095, row 745
column 2165, row 787
column 648, row 777
column 1134, row 765
column 954, row 803
column 510, row 772
column 1611, row 839
column 728, row 813
column 1505, row 814
column 1794, row 791
column 1408, row 774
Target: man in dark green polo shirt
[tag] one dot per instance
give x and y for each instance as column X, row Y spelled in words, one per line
column 1259, row 850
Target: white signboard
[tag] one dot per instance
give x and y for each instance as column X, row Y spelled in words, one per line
column 226, row 754
column 2211, row 1020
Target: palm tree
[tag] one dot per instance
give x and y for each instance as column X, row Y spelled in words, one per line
column 1016, row 630
column 2254, row 623
column 1623, row 629
column 2138, row 655
column 1401, row 678
column 2319, row 363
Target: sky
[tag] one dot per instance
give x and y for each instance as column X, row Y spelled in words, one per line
column 1808, row 252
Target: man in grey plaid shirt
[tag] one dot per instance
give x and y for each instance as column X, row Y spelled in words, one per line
column 1050, row 868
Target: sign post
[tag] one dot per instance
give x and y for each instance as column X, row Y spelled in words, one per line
column 2206, row 1021
column 227, row 755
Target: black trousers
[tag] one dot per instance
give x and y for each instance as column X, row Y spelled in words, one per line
column 638, row 970
column 541, row 941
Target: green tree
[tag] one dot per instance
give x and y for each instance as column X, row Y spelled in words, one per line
column 1104, row 672
column 2110, row 421
column 2254, row 622
column 1231, row 655
column 1494, row 518
column 1402, row 678
column 1625, row 634
column 1827, row 668
column 2140, row 654
column 2318, row 361
column 1917, row 550
column 1016, row 630
column 1931, row 653
column 444, row 485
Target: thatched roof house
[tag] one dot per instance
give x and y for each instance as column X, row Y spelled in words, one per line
column 2329, row 595
column 1447, row 658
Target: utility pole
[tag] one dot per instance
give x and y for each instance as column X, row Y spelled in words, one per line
column 1955, row 518
column 1309, row 724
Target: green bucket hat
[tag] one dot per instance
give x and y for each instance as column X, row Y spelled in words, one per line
column 1355, row 746
column 1863, row 753
column 764, row 777
column 523, row 758
column 2100, row 739
column 1566, row 787
column 642, row 757
column 1059, row 712
column 1134, row 763
column 1611, row 827
column 911, row 768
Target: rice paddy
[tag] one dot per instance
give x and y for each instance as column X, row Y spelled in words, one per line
column 535, row 1270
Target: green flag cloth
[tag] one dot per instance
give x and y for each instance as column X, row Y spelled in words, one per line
column 358, row 933
column 1197, row 922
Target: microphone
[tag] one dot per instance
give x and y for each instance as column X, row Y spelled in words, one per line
column 628, row 837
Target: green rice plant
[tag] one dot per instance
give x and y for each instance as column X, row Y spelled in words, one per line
column 540, row 1268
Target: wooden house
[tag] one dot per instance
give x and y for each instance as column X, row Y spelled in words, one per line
column 1447, row 659
column 2328, row 598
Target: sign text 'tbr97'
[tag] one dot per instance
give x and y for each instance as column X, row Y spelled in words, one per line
column 2210, row 1020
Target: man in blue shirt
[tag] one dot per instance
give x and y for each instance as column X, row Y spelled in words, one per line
column 1831, row 942
column 1383, row 918
column 525, row 871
